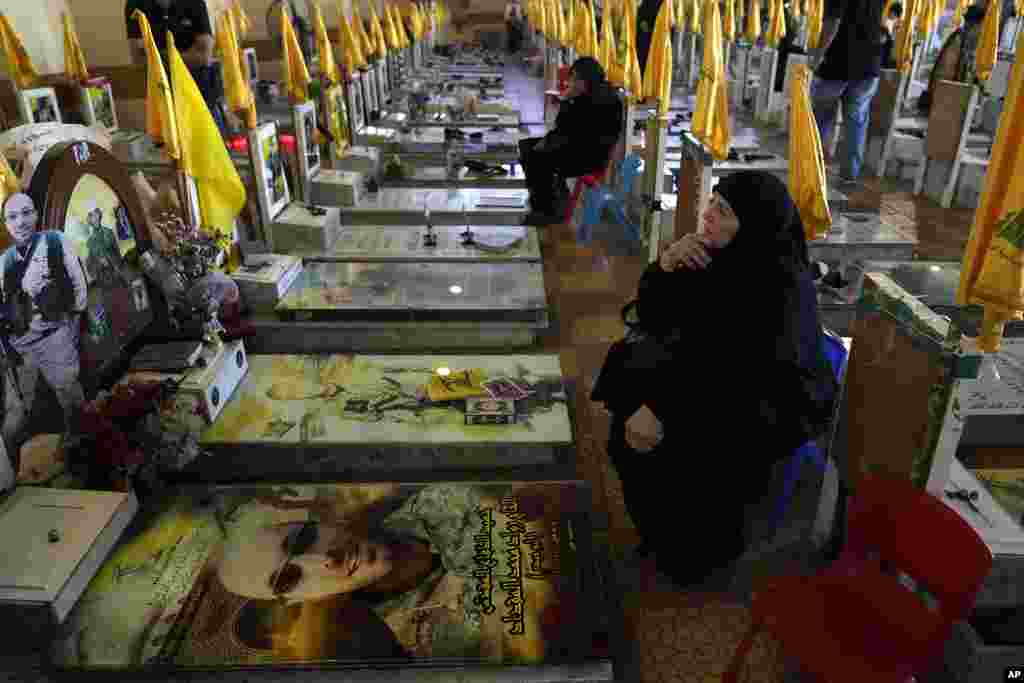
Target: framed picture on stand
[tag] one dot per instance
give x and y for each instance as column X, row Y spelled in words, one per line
column 252, row 64
column 306, row 148
column 357, row 118
column 271, row 180
column 97, row 105
column 39, row 105
column 338, row 121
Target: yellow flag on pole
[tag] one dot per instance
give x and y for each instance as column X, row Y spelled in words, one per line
column 236, row 86
column 296, row 75
column 903, row 47
column 711, row 115
column 242, row 22
column 354, row 57
column 993, row 265
column 695, row 17
column 378, row 32
column 9, row 183
column 657, row 83
column 328, row 67
column 729, row 21
column 753, row 31
column 807, row 180
column 776, row 24
column 74, row 60
column 636, row 79
column 160, row 121
column 19, row 63
column 607, row 42
column 204, row 156
column 988, row 43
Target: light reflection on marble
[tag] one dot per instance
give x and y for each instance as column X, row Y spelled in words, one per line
column 399, row 119
column 394, row 243
column 435, row 137
column 437, row 176
column 417, row 286
column 438, row 200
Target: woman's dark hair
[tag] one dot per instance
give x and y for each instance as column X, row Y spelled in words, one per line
column 896, row 10
column 588, row 70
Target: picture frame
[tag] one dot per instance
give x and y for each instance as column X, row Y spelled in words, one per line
column 39, row 105
column 383, row 91
column 271, row 179
column 251, row 64
column 96, row 101
column 306, row 148
column 367, row 95
column 338, row 120
column 356, row 113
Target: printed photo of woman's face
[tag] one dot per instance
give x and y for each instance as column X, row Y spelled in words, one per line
column 304, row 561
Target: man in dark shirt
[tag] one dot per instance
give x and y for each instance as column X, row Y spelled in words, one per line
column 850, row 54
column 189, row 23
column 588, row 125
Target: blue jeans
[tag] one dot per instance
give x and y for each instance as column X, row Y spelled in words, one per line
column 856, row 98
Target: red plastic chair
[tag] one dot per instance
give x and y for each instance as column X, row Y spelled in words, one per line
column 857, row 622
column 590, row 180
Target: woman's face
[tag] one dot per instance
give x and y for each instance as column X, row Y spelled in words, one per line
column 720, row 224
column 305, row 561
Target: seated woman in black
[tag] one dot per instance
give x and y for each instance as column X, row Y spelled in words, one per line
column 725, row 375
column 588, row 125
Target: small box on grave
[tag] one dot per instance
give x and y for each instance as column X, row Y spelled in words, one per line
column 203, row 390
column 305, row 228
column 490, row 411
column 365, row 160
column 333, row 187
column 56, row 541
column 264, row 279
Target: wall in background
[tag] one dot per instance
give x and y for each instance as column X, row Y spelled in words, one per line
column 39, row 24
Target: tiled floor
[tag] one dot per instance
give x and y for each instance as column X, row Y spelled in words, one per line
column 674, row 636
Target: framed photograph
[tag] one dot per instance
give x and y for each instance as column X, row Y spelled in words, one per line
column 383, row 90
column 365, row 84
column 251, row 64
column 271, row 182
column 307, row 149
column 97, row 105
column 357, row 117
column 337, row 114
column 39, row 105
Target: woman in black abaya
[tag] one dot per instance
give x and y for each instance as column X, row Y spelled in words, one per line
column 724, row 375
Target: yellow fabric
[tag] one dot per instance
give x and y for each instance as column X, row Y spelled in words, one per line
column 160, row 122
column 711, row 115
column 580, row 39
column 236, row 86
column 753, row 31
column 354, row 58
column 296, row 75
column 328, row 67
column 242, row 22
column 903, row 47
column 695, row 18
column 390, row 32
column 988, row 44
column 776, row 24
column 729, row 21
column 19, row 63
column 591, row 31
column 204, row 156
column 636, row 79
column 364, row 40
column 797, row 9
column 993, row 265
column 378, row 33
column 403, row 35
column 657, row 84
column 815, row 22
column 9, row 183
column 542, row 26
column 807, row 179
column 75, row 67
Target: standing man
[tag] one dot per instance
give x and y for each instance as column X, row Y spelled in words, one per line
column 44, row 296
column 850, row 61
column 189, row 23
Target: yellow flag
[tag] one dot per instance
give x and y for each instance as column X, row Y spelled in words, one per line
column 296, row 75
column 160, row 121
column 636, row 79
column 729, row 21
column 396, row 18
column 807, row 179
column 365, row 39
column 378, row 33
column 988, row 43
column 390, row 33
column 753, row 31
column 328, row 67
column 9, row 183
column 711, row 115
column 607, row 42
column 354, row 58
column 776, row 24
column 74, row 60
column 657, row 83
column 19, row 63
column 236, row 86
column 797, row 10
column 903, row 47
column 204, row 155
column 993, row 265
column 242, row 23
column 695, row 17
column 592, row 30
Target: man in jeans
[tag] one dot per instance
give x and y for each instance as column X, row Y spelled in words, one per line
column 850, row 56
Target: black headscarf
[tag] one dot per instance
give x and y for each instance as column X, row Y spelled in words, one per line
column 590, row 71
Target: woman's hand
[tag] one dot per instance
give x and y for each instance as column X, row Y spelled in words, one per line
column 690, row 252
column 643, row 430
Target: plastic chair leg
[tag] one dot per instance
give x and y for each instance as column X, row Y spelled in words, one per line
column 731, row 675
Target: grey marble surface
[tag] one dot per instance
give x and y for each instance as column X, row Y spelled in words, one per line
column 404, row 206
column 403, row 243
column 437, row 177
